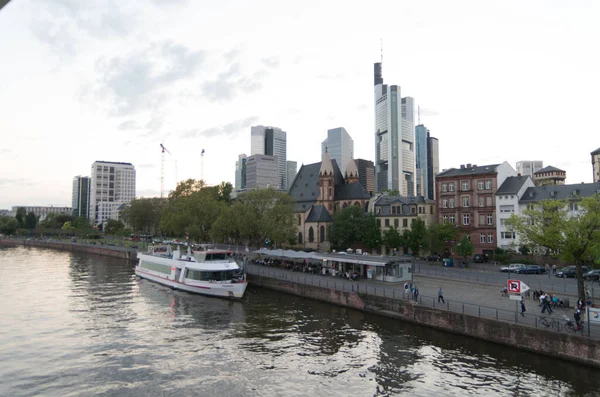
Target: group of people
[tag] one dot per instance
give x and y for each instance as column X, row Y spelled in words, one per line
column 411, row 290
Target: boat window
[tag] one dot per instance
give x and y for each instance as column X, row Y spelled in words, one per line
column 156, row 267
column 216, row 256
column 209, row 276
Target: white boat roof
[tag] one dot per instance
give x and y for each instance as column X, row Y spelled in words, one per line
column 211, row 266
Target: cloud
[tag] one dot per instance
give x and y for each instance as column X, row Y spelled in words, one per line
column 148, row 193
column 142, row 80
column 271, row 62
column 225, row 130
column 129, row 125
column 146, row 166
column 228, row 83
column 7, row 182
column 429, row 112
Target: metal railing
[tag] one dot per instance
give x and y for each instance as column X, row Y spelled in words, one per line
column 367, row 289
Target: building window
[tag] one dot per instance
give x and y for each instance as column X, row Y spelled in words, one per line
column 299, row 220
column 300, row 238
column 322, row 234
column 431, row 208
column 490, row 238
column 445, row 218
column 481, row 201
column 451, row 219
column 444, row 187
column 451, row 203
column 502, row 222
column 507, row 209
column 466, row 219
column 396, row 223
column 387, row 223
column 490, row 219
column 444, row 203
column 311, row 235
column 481, row 220
column 488, row 201
column 574, row 207
column 479, row 185
column 508, row 235
column 405, row 223
column 488, row 184
column 451, row 187
column 379, row 223
column 482, row 237
column 464, row 185
column 465, row 201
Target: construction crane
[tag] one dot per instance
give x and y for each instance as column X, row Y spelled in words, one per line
column 162, row 169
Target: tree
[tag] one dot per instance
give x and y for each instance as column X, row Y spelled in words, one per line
column 144, row 214
column 30, row 221
column 353, row 225
column 465, row 247
column 392, row 238
column 20, row 216
column 186, row 188
column 113, row 227
column 417, row 236
column 524, row 250
column 56, row 221
column 574, row 236
column 8, row 225
column 438, row 235
column 371, row 237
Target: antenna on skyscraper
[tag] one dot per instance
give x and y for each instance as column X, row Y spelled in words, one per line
column 382, row 52
column 419, row 115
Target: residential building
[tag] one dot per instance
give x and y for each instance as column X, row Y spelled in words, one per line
column 529, row 167
column 549, row 176
column 319, row 191
column 340, row 147
column 7, row 213
column 271, row 141
column 41, row 212
column 292, row 170
column 433, row 165
column 596, row 165
column 112, row 184
column 366, row 174
column 394, row 143
column 262, row 172
column 507, row 204
column 401, row 213
column 240, row 173
column 80, row 201
column 466, row 198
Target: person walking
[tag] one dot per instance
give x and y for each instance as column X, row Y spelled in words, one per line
column 441, row 296
column 522, row 307
column 554, row 269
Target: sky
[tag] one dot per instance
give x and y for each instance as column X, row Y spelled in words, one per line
column 110, row 80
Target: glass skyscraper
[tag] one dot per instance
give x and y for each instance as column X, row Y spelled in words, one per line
column 339, row 146
column 271, row 141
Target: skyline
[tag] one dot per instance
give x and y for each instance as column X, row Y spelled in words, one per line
column 108, row 81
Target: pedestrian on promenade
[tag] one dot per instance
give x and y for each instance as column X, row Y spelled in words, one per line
column 416, row 294
column 554, row 269
column 441, row 296
column 522, row 307
column 546, row 304
column 406, row 287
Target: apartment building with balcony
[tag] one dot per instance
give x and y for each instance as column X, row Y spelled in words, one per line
column 466, row 198
column 507, row 204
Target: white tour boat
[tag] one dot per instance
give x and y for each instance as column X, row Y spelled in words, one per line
column 208, row 272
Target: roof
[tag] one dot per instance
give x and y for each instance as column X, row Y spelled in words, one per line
column 326, row 166
column 305, row 189
column 560, row 192
column 473, row 170
column 597, row 151
column 548, row 168
column 351, row 169
column 512, row 184
column 351, row 191
column 385, row 202
column 318, row 213
column 111, row 162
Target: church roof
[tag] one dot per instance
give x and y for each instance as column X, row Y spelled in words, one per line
column 548, row 169
column 318, row 213
column 351, row 169
column 326, row 165
column 351, row 191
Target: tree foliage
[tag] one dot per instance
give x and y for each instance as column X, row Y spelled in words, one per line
column 56, row 221
column 20, row 216
column 114, row 226
column 465, row 247
column 393, row 239
column 574, row 236
column 30, row 221
column 353, row 225
column 8, row 225
column 438, row 235
column 416, row 238
column 143, row 214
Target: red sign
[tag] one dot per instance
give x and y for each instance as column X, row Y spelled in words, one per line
column 514, row 286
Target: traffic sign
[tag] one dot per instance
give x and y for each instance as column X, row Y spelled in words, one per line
column 514, row 286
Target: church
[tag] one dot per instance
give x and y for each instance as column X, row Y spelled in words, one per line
column 320, row 190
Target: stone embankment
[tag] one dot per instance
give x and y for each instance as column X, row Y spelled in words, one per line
column 129, row 254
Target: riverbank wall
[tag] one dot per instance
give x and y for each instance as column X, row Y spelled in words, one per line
column 128, row 254
column 561, row 345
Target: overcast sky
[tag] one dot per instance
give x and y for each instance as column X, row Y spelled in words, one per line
column 110, row 80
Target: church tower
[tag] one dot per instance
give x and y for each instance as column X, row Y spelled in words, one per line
column 351, row 175
column 326, row 183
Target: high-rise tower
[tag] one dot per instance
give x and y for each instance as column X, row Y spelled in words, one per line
column 394, row 138
column 112, row 184
column 340, row 147
column 271, row 141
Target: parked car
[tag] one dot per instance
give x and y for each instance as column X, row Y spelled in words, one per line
column 531, row 269
column 592, row 275
column 433, row 258
column 448, row 262
column 512, row 268
column 569, row 271
column 480, row 258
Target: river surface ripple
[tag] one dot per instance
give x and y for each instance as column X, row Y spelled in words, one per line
column 77, row 325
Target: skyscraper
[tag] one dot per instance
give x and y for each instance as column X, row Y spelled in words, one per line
column 366, row 174
column 81, row 196
column 422, row 179
column 394, row 143
column 261, row 172
column 271, row 141
column 292, row 170
column 339, row 146
column 433, row 165
column 112, row 185
column 240, row 173
column 528, row 167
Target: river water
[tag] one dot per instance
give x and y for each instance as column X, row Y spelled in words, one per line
column 77, row 325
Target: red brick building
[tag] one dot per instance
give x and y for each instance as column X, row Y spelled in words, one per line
column 466, row 198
